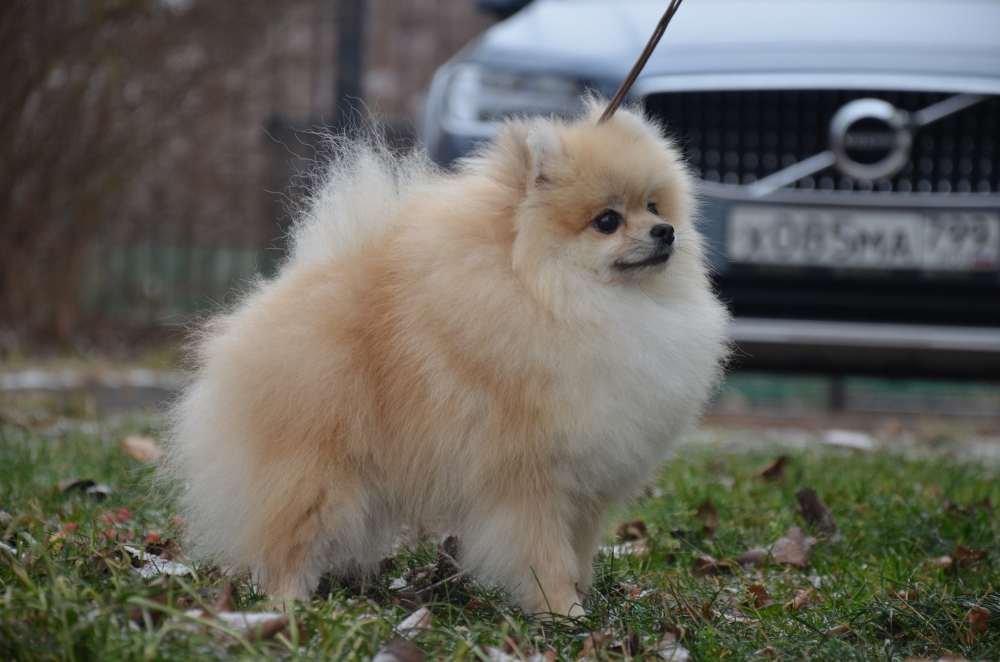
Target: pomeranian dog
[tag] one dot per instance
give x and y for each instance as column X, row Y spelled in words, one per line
column 504, row 352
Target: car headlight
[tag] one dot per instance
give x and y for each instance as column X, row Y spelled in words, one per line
column 477, row 96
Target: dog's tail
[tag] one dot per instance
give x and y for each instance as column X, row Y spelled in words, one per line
column 359, row 198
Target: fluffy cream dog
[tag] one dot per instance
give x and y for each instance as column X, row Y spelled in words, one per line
column 505, row 351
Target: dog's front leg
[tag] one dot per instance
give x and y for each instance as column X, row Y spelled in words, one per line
column 527, row 546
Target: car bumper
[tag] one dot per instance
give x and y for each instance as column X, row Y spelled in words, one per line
column 903, row 350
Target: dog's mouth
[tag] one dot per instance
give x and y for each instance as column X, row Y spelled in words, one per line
column 652, row 261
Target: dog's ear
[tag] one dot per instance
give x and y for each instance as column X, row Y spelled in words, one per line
column 544, row 149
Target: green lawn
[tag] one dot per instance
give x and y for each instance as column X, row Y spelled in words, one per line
column 69, row 592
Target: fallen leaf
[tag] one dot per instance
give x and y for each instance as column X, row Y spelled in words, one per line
column 892, row 427
column 839, row 629
column 669, row 648
column 410, row 600
column 794, row 549
column 593, row 642
column 753, row 558
column 816, row 514
column 446, row 566
column 761, row 598
column 737, row 616
column 951, row 657
column 767, row 651
column 708, row 514
column 978, row 619
column 707, row 612
column 416, row 623
column 150, row 565
column 398, row 649
column 155, row 615
column 142, row 449
column 967, row 556
column 938, row 563
column 168, row 549
column 630, row 646
column 255, row 626
column 706, row 565
column 635, row 548
column 775, row 470
column 800, row 599
column 859, row 441
column 497, row 655
column 224, row 600
column 633, row 530
column 513, row 654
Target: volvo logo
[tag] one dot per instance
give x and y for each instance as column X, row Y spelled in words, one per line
column 870, row 139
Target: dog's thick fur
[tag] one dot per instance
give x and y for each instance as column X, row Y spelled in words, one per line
column 462, row 350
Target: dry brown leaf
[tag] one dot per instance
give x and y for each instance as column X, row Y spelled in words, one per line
column 775, row 470
column 264, row 629
column 629, row 647
column 669, row 648
column 767, row 651
column 409, row 600
column 143, row 449
column 168, row 550
column 253, row 626
column 155, row 615
column 801, row 598
column 708, row 514
column 737, row 616
column 839, row 629
column 938, row 563
column 634, row 530
column 761, row 598
column 951, row 657
column 706, row 565
column 398, row 649
column 978, row 619
column 224, row 600
column 891, row 427
column 816, row 514
column 967, row 556
column 593, row 642
column 753, row 558
column 794, row 549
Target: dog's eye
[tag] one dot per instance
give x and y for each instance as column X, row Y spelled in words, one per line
column 608, row 221
column 653, row 209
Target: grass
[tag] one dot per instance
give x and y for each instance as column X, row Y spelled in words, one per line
column 69, row 593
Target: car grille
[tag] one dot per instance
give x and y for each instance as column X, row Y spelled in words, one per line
column 739, row 137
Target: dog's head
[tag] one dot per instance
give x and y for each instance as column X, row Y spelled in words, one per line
column 610, row 203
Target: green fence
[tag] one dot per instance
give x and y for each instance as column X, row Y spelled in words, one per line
column 149, row 284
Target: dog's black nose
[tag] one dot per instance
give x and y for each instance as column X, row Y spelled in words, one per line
column 664, row 232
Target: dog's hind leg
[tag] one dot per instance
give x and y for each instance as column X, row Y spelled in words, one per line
column 296, row 538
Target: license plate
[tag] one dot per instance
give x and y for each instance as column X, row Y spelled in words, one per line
column 864, row 239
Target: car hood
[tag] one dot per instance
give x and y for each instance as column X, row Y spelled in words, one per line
column 600, row 39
